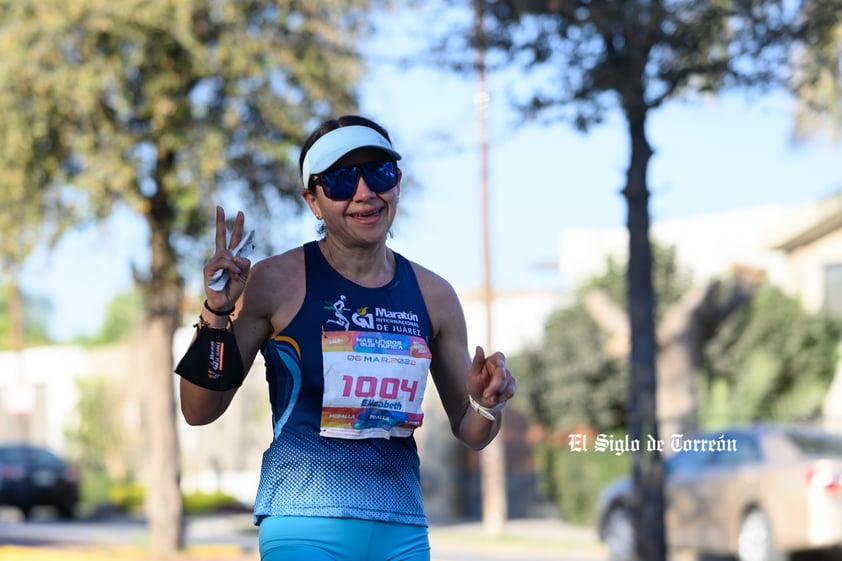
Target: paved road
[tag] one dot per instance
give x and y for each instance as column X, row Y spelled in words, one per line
column 523, row 540
column 233, row 537
column 47, row 531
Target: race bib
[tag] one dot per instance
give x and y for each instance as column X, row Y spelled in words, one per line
column 374, row 384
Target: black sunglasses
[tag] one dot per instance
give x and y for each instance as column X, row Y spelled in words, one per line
column 340, row 184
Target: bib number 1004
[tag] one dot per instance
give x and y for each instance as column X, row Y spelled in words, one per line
column 385, row 388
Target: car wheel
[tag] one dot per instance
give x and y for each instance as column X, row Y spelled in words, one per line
column 755, row 541
column 618, row 535
column 66, row 512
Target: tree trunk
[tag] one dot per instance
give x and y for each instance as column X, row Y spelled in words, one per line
column 648, row 497
column 163, row 292
column 16, row 320
column 163, row 494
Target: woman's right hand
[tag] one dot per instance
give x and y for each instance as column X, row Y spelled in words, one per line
column 237, row 267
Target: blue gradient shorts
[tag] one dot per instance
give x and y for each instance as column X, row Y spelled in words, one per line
column 304, row 538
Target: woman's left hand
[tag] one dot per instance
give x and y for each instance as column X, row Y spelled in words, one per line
column 489, row 381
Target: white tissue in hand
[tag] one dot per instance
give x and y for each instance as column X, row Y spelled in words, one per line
column 243, row 249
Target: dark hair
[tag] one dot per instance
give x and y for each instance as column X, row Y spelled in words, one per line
column 333, row 124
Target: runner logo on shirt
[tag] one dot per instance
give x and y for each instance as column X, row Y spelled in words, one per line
column 378, row 319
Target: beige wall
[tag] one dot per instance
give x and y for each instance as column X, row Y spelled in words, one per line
column 805, row 274
column 38, row 392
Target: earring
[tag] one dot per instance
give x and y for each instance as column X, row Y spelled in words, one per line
column 318, row 217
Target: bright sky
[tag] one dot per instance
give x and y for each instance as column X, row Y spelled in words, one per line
column 710, row 156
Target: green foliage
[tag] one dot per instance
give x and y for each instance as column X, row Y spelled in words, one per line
column 201, row 502
column 124, row 315
column 639, row 54
column 175, row 106
column 93, row 490
column 94, row 434
column 570, row 383
column 573, row 479
column 569, row 380
column 770, row 360
column 670, row 280
column 128, row 496
column 94, row 439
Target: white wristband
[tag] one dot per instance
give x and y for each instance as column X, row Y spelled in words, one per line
column 487, row 412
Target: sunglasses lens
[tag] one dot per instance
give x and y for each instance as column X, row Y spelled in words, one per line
column 380, row 176
column 340, row 184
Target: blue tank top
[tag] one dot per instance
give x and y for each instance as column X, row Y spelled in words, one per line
column 346, row 379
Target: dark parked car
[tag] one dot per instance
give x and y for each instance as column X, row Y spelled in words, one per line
column 31, row 476
column 757, row 493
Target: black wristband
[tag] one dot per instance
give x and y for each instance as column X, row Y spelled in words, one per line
column 213, row 360
column 220, row 313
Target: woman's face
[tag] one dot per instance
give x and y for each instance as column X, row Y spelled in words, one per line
column 367, row 216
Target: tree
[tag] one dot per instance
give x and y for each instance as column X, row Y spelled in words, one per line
column 771, row 359
column 35, row 317
column 636, row 55
column 570, row 380
column 167, row 107
column 819, row 102
column 25, row 198
column 575, row 373
column 574, row 381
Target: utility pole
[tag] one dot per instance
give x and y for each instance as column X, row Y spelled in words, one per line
column 493, row 457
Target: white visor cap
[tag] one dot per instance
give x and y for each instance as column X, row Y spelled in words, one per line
column 332, row 146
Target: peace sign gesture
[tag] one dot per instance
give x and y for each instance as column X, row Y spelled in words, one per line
column 226, row 272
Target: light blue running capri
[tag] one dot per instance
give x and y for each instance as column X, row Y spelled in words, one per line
column 305, row 538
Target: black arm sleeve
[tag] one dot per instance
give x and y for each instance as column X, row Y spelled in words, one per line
column 213, row 360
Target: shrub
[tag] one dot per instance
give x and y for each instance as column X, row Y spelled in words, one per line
column 128, row 496
column 200, row 502
column 574, row 479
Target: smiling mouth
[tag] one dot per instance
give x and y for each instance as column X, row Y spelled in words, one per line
column 367, row 214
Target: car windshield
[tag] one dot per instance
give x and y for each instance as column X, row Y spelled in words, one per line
column 815, row 444
column 686, row 462
column 740, row 448
column 28, row 455
column 13, row 454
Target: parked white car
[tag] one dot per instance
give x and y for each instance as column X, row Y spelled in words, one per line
column 778, row 490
